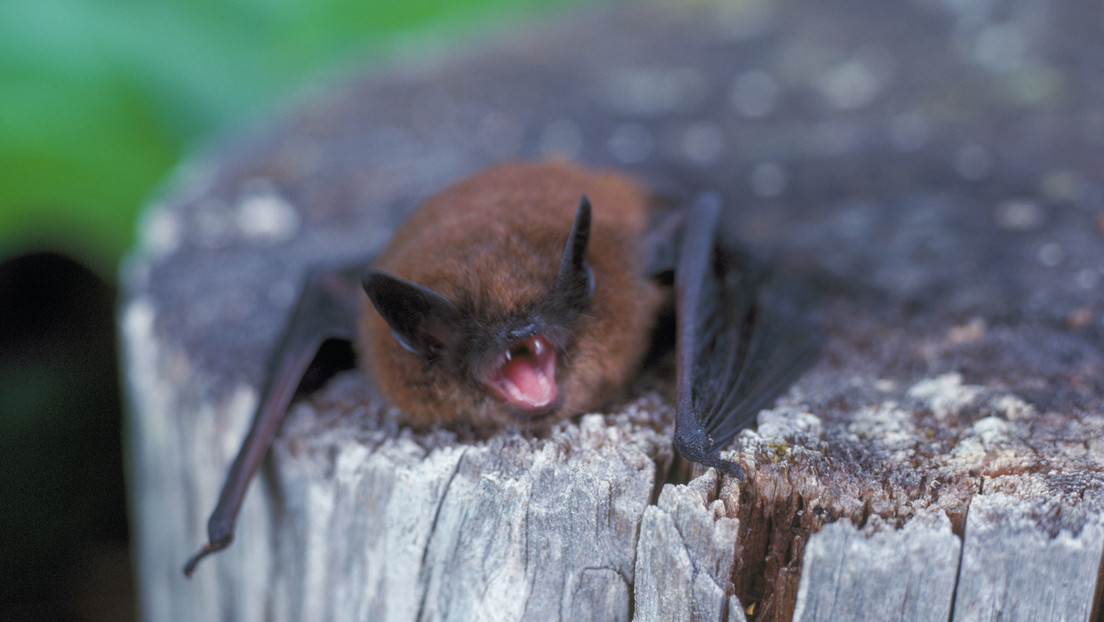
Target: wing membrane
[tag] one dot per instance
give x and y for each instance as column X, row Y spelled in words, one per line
column 743, row 337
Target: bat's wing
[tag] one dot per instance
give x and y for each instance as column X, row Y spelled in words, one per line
column 327, row 310
column 742, row 339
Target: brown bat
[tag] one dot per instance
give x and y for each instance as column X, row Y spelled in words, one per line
column 503, row 301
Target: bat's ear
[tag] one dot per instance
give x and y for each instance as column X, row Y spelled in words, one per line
column 421, row 320
column 575, row 279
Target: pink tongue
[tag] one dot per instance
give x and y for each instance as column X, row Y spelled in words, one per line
column 527, row 382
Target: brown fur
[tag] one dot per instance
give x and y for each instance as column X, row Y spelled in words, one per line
column 496, row 239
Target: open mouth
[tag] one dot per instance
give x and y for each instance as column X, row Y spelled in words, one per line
column 525, row 375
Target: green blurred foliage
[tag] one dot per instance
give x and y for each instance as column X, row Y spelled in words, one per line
column 99, row 98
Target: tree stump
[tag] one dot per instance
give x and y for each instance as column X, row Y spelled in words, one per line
column 932, row 170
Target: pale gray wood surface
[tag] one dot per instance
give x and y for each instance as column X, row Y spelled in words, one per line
column 879, row 573
column 1029, row 561
column 931, row 169
column 685, row 555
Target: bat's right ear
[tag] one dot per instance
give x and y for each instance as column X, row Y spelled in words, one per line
column 575, row 280
column 421, row 320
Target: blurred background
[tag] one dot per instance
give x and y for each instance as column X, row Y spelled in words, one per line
column 99, row 99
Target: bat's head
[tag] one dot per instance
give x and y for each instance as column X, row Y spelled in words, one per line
column 501, row 301
column 511, row 356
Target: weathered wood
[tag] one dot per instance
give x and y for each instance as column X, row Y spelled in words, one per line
column 1029, row 561
column 931, row 171
column 685, row 555
column 880, row 574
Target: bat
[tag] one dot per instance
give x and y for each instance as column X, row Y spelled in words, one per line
column 531, row 292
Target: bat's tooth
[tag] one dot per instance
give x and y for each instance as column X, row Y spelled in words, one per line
column 538, row 346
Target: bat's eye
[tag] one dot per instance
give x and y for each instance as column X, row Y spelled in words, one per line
column 525, row 376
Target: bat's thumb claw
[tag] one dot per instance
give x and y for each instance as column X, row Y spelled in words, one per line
column 732, row 469
column 207, row 549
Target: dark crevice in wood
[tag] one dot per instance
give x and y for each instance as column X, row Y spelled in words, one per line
column 631, row 587
column 795, row 528
column 865, row 516
column 753, row 543
column 772, row 542
column 958, row 521
column 432, row 532
column 961, row 555
column 677, row 471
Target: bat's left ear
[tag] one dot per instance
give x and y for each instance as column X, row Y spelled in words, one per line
column 575, row 279
column 421, row 320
